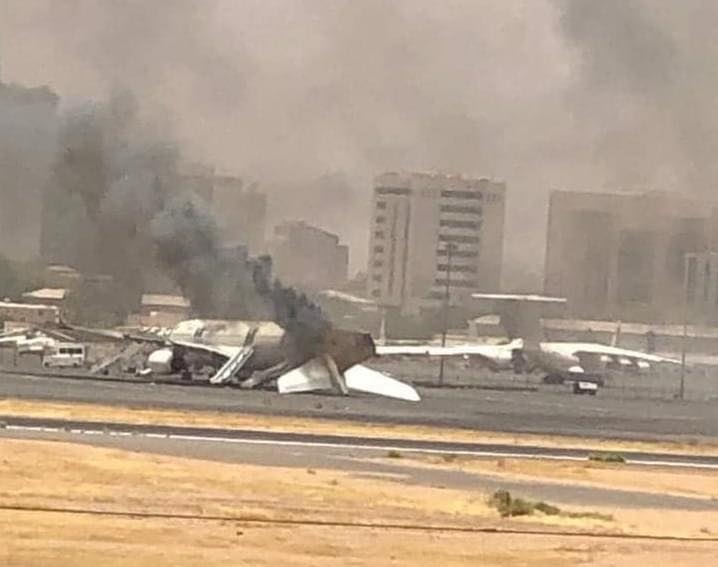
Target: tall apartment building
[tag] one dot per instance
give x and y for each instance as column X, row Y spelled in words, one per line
column 28, row 146
column 701, row 286
column 622, row 255
column 308, row 256
column 417, row 218
column 240, row 209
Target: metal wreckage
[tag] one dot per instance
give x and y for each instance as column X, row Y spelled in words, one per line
column 257, row 353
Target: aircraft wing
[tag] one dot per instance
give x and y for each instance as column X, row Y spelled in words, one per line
column 493, row 355
column 596, row 349
column 364, row 379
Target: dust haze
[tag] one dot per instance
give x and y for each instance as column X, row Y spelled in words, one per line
column 313, row 98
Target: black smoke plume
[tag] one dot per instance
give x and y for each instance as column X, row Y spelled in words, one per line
column 130, row 216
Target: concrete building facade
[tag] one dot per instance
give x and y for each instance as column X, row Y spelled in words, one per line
column 240, row 209
column 28, row 145
column 701, row 286
column 622, row 255
column 308, row 257
column 417, row 218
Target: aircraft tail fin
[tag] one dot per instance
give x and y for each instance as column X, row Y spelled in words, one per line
column 520, row 313
column 320, row 373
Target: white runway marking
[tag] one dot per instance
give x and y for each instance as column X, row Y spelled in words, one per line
column 539, row 455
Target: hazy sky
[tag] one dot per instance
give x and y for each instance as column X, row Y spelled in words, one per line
column 314, row 97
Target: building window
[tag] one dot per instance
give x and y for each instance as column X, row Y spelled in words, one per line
column 460, row 209
column 457, row 268
column 459, row 253
column 379, row 234
column 378, row 249
column 392, row 190
column 376, row 277
column 380, row 219
column 460, row 224
column 458, row 238
column 462, row 194
column 456, row 283
column 375, row 293
column 378, row 264
column 381, row 205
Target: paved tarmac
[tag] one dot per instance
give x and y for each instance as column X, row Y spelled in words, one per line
column 544, row 412
column 366, row 458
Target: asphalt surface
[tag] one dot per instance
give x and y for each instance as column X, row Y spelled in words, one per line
column 331, row 442
column 366, row 458
column 543, row 412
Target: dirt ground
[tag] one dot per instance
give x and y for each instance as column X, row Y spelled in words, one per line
column 95, row 412
column 54, row 475
column 697, row 483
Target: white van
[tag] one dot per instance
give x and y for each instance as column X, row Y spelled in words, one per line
column 65, row 355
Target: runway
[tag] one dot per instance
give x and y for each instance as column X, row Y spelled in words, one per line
column 329, row 443
column 540, row 412
column 372, row 458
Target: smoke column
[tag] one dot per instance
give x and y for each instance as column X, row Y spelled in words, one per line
column 314, row 97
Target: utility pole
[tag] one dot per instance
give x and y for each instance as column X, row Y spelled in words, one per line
column 688, row 289
column 682, row 390
column 450, row 248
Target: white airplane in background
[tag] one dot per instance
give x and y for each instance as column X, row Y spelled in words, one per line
column 526, row 351
column 494, row 356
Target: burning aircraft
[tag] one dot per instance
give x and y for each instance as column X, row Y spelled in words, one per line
column 258, row 352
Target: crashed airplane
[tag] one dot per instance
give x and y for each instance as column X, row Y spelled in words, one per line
column 258, row 352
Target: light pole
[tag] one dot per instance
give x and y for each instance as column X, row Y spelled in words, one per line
column 450, row 249
column 684, row 341
column 688, row 293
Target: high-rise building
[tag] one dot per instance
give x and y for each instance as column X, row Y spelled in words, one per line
column 240, row 210
column 28, row 145
column 430, row 229
column 308, row 257
column 622, row 255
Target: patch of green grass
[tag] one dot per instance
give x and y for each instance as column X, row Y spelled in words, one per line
column 588, row 516
column 606, row 458
column 394, row 454
column 507, row 506
column 548, row 509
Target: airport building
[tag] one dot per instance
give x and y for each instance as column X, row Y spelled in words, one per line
column 624, row 255
column 308, row 257
column 430, row 229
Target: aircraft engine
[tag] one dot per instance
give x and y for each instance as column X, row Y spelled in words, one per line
column 160, row 361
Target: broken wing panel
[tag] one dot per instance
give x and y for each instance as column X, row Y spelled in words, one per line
column 310, row 376
column 365, row 379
